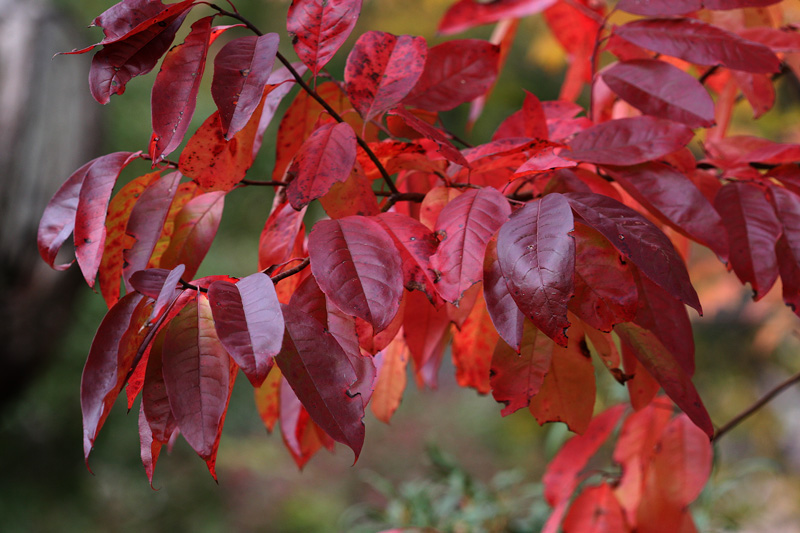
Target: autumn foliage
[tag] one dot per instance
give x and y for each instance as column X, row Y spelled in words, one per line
column 560, row 239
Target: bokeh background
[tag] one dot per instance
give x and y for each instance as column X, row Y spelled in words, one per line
column 448, row 460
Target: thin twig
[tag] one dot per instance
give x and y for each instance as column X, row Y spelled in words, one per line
column 756, row 406
column 264, row 183
column 311, row 92
column 292, row 271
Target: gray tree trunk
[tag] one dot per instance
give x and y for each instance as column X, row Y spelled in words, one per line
column 48, row 128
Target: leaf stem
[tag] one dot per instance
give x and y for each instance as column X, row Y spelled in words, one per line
column 756, row 406
column 311, row 92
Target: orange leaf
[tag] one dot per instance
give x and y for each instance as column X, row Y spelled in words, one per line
column 391, row 381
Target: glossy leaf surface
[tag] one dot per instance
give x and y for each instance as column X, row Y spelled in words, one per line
column 320, row 27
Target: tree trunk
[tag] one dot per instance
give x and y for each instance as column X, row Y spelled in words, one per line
column 48, row 128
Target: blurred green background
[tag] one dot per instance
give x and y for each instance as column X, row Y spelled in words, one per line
column 448, row 459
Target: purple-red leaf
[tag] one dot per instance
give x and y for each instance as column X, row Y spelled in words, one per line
column 605, row 291
column 676, row 200
column 628, row 141
column 508, row 320
column 107, row 364
column 657, row 360
column 753, row 230
column 446, row 148
column 466, row 14
column 659, row 8
column 659, row 89
column 91, row 210
column 327, row 157
column 639, row 240
column 196, row 375
column 130, row 17
column 321, row 375
column 249, row 323
column 195, row 228
column 517, row 377
column 465, row 226
column 169, row 292
column 241, row 71
column 119, row 61
column 382, row 69
column 357, row 266
column 319, row 28
column 146, row 224
column 699, row 43
column 175, row 89
column 537, row 257
column 455, row 72
column 415, row 243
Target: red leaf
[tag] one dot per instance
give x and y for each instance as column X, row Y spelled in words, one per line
column 753, row 230
column 302, row 118
column 90, row 214
column 415, row 244
column 561, row 477
column 628, row 141
column 518, row 377
column 528, row 122
column 675, row 200
column 537, row 256
column 758, row 90
column 321, row 375
column 319, row 28
column 605, row 291
column 665, row 369
column 249, row 323
column 699, row 43
column 392, row 363
column 679, row 468
column 466, row 14
column 134, row 54
column 149, row 282
column 659, row 7
column 169, row 292
column 382, row 69
column 465, row 226
column 297, row 429
column 356, row 266
column 455, row 72
column 281, row 232
column 503, row 310
column 568, row 392
column 326, row 157
column 734, row 4
column 175, row 89
column 241, row 71
column 196, row 375
column 787, row 207
column 665, row 317
column 659, row 89
column 638, row 240
column 149, row 448
column 596, row 510
column 642, row 386
column 155, row 402
column 425, row 329
column 108, row 363
column 146, row 224
column 634, row 448
column 445, row 147
column 353, row 196
column 280, row 83
column 472, row 348
column 267, row 398
column 130, row 17
column 195, row 229
column 119, row 211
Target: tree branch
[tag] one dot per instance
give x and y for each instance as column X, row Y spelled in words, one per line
column 311, row 92
column 291, row 271
column 756, row 406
